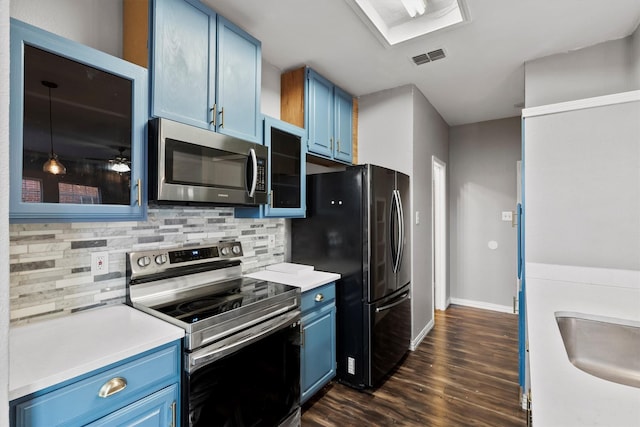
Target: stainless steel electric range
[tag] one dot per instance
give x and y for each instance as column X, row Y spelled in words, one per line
column 241, row 359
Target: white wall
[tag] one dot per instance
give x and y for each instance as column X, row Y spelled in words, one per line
column 4, row 213
column 482, row 177
column 385, row 129
column 582, row 187
column 95, row 23
column 635, row 55
column 597, row 70
column 399, row 129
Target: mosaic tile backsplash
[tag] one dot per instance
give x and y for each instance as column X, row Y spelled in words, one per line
column 50, row 264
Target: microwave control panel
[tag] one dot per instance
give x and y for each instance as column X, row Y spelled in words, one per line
column 261, row 181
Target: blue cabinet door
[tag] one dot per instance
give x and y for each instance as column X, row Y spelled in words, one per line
column 319, row 114
column 88, row 124
column 157, row 410
column 343, row 126
column 239, row 73
column 318, row 353
column 182, row 62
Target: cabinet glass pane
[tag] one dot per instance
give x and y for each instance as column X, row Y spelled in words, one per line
column 83, row 117
column 285, row 169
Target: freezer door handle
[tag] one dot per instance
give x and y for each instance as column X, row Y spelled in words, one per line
column 399, row 301
column 402, row 230
column 396, row 252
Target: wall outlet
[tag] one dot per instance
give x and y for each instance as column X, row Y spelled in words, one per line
column 272, row 241
column 507, row 215
column 417, row 217
column 99, row 263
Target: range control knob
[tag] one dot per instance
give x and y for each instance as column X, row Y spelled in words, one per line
column 224, row 251
column 161, row 259
column 236, row 250
column 144, row 261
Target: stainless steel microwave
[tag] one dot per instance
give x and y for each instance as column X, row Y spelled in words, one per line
column 189, row 165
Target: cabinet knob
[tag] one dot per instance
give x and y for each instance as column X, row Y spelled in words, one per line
column 113, row 386
column 319, row 297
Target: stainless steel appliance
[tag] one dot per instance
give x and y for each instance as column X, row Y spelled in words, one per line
column 356, row 226
column 192, row 165
column 241, row 360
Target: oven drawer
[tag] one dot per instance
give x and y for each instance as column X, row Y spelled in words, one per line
column 317, row 297
column 79, row 402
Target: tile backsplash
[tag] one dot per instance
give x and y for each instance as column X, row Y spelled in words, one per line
column 50, row 263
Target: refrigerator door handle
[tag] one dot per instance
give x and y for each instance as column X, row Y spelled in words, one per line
column 400, row 300
column 402, row 230
column 395, row 249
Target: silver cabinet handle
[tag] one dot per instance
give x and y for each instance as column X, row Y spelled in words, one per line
column 173, row 414
column 222, row 117
column 113, row 386
column 139, row 184
column 319, row 297
column 213, row 116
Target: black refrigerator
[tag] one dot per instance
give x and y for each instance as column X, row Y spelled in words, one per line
column 358, row 225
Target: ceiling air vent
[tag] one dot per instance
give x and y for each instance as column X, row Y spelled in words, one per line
column 434, row 55
column 421, row 59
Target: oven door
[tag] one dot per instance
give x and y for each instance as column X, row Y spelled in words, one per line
column 249, row 379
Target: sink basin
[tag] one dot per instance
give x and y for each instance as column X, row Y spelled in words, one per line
column 606, row 347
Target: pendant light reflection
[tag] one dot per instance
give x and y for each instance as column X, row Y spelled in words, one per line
column 53, row 165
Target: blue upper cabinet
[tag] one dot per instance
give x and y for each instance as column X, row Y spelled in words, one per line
column 320, row 114
column 205, row 71
column 78, row 121
column 182, row 62
column 239, row 74
column 286, row 175
column 343, row 107
column 323, row 109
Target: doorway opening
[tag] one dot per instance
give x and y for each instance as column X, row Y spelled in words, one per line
column 439, row 232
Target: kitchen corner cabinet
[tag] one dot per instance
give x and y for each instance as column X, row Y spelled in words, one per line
column 325, row 111
column 286, row 174
column 318, row 351
column 142, row 389
column 86, row 109
column 205, row 71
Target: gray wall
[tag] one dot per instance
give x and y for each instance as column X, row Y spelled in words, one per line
column 430, row 135
column 602, row 69
column 482, row 184
column 582, row 187
column 399, row 129
column 4, row 212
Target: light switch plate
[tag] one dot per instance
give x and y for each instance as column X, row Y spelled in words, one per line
column 507, row 215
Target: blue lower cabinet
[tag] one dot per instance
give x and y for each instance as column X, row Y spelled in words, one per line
column 318, row 352
column 141, row 390
column 157, row 410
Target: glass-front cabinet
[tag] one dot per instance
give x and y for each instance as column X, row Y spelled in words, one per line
column 77, row 131
column 287, row 172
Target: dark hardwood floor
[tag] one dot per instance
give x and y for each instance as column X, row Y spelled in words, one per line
column 464, row 373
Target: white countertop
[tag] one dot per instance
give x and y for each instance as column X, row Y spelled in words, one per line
column 563, row 395
column 48, row 352
column 305, row 280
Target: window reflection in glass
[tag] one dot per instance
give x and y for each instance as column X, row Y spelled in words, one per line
column 90, row 130
column 285, row 164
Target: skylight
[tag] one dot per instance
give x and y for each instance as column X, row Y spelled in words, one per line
column 396, row 21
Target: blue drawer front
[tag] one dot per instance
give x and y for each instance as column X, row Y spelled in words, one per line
column 319, row 296
column 79, row 403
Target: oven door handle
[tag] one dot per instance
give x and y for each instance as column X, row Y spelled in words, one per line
column 235, row 342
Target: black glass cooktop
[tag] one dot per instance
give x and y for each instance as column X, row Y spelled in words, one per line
column 211, row 300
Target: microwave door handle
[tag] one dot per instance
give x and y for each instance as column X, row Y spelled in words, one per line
column 254, row 171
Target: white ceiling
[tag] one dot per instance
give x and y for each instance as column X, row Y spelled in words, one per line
column 482, row 77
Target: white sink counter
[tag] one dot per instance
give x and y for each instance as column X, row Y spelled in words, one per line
column 48, row 352
column 305, row 280
column 562, row 394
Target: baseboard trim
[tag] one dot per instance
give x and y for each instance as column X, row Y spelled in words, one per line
column 423, row 333
column 483, row 305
